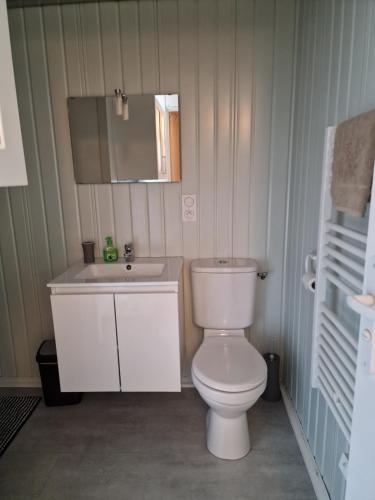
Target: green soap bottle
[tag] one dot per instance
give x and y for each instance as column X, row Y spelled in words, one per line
column 110, row 253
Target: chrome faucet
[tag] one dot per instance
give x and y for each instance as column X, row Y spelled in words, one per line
column 129, row 254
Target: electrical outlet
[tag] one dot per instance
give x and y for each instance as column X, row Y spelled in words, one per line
column 189, row 208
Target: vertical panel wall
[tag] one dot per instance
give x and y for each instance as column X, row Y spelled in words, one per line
column 231, row 63
column 334, row 81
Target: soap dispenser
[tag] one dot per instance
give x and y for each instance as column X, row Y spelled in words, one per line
column 110, row 253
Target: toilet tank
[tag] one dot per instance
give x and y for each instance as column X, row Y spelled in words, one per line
column 223, row 292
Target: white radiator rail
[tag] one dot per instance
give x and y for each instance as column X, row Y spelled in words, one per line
column 346, row 246
column 347, row 364
column 341, row 373
column 358, row 268
column 343, row 331
column 347, row 232
column 327, row 392
column 337, row 395
column 335, row 280
column 340, row 266
column 337, row 268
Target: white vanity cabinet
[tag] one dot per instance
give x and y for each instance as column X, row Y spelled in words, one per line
column 85, row 333
column 118, row 328
column 12, row 160
column 148, row 341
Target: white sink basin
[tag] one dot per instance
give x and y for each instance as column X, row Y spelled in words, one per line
column 145, row 274
column 121, row 270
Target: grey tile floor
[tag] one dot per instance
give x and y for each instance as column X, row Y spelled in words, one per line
column 148, row 446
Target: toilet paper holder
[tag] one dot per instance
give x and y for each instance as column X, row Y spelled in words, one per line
column 309, row 277
column 310, row 263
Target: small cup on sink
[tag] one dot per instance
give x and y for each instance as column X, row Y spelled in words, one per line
column 88, row 252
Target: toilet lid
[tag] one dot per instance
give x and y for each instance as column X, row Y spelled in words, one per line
column 229, row 364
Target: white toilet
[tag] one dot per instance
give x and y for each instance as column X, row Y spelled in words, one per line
column 227, row 371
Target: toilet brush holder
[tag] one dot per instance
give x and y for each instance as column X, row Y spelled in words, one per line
column 272, row 391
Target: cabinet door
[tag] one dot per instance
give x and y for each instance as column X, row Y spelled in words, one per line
column 85, row 332
column 12, row 160
column 148, row 341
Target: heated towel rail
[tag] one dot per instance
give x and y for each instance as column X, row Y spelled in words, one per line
column 340, row 267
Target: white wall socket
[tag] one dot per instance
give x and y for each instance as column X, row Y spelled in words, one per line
column 189, row 208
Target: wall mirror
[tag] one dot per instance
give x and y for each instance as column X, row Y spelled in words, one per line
column 136, row 139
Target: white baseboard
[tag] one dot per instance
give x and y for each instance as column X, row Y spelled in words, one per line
column 31, row 382
column 311, row 466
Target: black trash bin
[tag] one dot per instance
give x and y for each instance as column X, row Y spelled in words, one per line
column 49, row 374
column 272, row 391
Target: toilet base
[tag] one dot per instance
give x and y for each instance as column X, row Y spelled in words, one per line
column 227, row 438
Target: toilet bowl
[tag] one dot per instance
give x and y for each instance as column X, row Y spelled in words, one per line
column 227, row 371
column 230, row 375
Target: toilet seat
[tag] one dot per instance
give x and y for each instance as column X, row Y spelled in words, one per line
column 227, row 399
column 229, row 364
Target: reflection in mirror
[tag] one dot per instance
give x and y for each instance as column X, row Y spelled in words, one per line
column 139, row 145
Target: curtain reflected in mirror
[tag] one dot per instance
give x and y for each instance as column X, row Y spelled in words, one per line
column 141, row 145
